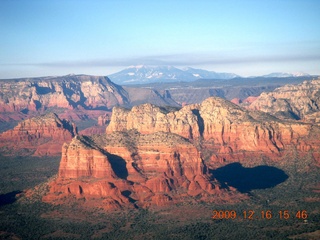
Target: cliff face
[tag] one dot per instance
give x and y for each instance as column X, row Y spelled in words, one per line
column 290, row 101
column 155, row 156
column 148, row 118
column 42, row 135
column 73, row 91
column 104, row 120
column 132, row 170
column 74, row 97
column 224, row 126
column 82, row 159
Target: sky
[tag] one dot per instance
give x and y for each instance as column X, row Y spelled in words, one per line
column 96, row 37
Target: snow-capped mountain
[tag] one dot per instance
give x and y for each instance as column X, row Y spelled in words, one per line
column 284, row 75
column 147, row 74
column 204, row 74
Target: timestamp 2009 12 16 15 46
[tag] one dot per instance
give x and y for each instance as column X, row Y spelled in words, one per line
column 263, row 214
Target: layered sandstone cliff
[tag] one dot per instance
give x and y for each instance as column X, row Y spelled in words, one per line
column 129, row 169
column 225, row 126
column 72, row 91
column 74, row 97
column 42, row 135
column 155, row 156
column 104, row 120
column 291, row 101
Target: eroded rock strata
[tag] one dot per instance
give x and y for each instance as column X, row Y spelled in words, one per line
column 154, row 156
column 221, row 125
column 74, row 97
column 72, row 91
column 42, row 135
column 129, row 169
column 291, row 101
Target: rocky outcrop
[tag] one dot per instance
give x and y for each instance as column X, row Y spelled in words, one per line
column 132, row 170
column 93, row 130
column 42, row 135
column 74, row 97
column 81, row 114
column 104, row 120
column 250, row 99
column 69, row 92
column 148, row 118
column 156, row 156
column 99, row 128
column 236, row 101
column 291, row 101
column 226, row 127
column 80, row 158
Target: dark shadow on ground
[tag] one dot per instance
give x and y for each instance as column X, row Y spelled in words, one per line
column 246, row 179
column 8, row 198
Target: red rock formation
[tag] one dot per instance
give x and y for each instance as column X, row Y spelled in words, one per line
column 250, row 99
column 140, row 171
column 236, row 101
column 68, row 92
column 42, row 135
column 148, row 118
column 85, row 172
column 100, row 128
column 225, row 127
column 16, row 116
column 290, row 101
column 81, row 95
column 148, row 156
column 81, row 114
column 104, row 120
column 93, row 130
column 82, row 159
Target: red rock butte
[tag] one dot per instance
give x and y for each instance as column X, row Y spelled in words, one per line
column 42, row 135
column 153, row 156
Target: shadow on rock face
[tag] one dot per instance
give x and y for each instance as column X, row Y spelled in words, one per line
column 8, row 198
column 118, row 165
column 246, row 179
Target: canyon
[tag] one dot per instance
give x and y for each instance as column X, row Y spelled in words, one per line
column 82, row 97
column 145, row 155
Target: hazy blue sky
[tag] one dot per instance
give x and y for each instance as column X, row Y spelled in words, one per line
column 41, row 38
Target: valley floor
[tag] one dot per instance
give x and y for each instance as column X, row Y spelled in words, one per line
column 290, row 210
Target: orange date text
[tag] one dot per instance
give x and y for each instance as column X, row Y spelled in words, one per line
column 262, row 214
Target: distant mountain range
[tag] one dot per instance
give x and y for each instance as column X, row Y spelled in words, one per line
column 283, row 75
column 149, row 74
column 144, row 74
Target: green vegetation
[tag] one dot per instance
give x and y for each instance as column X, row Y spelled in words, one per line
column 35, row 220
column 5, row 126
column 19, row 173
